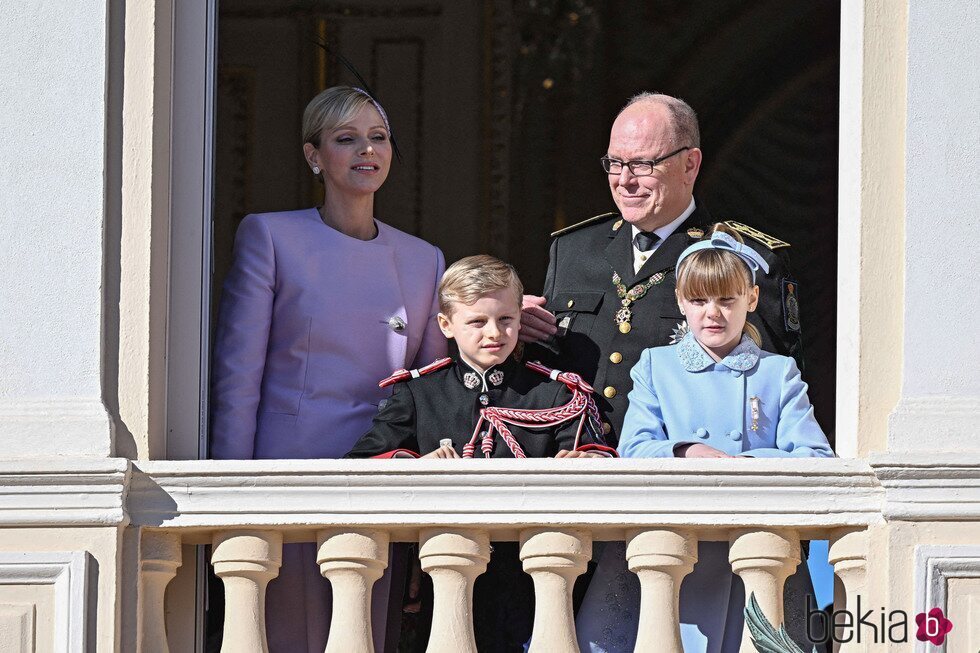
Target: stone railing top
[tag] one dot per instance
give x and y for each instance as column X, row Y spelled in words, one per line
column 607, row 496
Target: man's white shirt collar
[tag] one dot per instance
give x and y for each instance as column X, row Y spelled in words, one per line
column 639, row 258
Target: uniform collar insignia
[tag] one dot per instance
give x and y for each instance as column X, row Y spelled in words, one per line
column 694, row 358
column 494, row 377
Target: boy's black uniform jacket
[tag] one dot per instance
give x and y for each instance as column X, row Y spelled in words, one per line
column 438, row 405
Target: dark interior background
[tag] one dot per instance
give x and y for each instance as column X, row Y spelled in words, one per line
column 502, row 109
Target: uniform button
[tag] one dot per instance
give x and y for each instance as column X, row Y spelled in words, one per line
column 735, row 435
column 485, row 399
column 625, row 327
column 616, row 357
column 609, row 392
column 701, row 433
column 736, row 373
column 606, row 428
column 571, row 302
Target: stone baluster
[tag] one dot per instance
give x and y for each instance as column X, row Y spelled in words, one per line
column 453, row 558
column 661, row 559
column 246, row 561
column 554, row 559
column 849, row 556
column 764, row 559
column 352, row 560
column 160, row 556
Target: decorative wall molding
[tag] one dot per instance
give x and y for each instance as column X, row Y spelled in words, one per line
column 17, row 627
column 934, row 567
column 63, row 492
column 929, row 487
column 935, row 423
column 54, row 426
column 68, row 573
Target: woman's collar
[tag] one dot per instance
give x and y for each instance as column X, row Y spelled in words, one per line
column 694, row 358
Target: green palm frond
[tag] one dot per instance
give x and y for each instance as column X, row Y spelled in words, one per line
column 766, row 638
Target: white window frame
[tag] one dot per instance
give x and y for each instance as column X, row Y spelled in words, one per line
column 191, row 227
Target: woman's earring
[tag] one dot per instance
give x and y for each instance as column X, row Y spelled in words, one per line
column 316, row 170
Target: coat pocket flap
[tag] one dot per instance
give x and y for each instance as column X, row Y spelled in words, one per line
column 576, row 301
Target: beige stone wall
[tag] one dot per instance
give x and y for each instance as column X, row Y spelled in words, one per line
column 892, row 569
column 871, row 210
column 104, row 582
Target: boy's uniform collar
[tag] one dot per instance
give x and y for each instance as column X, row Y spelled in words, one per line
column 494, row 377
column 694, row 358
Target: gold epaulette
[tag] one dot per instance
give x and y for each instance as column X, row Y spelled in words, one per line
column 755, row 234
column 584, row 223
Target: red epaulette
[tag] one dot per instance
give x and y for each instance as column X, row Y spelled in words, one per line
column 404, row 375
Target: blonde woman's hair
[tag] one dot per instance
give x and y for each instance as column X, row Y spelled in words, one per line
column 717, row 273
column 331, row 108
column 473, row 277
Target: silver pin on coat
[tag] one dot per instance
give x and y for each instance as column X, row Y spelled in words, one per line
column 396, row 324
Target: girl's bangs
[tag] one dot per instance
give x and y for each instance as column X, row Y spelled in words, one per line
column 713, row 273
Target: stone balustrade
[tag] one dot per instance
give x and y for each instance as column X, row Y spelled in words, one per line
column 353, row 559
column 454, row 509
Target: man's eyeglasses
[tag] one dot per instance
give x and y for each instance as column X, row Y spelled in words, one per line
column 639, row 168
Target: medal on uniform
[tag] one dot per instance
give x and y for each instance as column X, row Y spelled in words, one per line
column 791, row 306
column 627, row 297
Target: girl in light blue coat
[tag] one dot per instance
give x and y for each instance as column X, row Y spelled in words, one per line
column 715, row 394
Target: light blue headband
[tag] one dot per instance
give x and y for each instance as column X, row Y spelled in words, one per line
column 722, row 241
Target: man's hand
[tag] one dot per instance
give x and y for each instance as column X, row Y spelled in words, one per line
column 536, row 322
column 699, row 451
column 445, row 451
column 565, row 453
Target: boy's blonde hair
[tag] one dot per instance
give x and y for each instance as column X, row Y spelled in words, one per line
column 716, row 273
column 473, row 277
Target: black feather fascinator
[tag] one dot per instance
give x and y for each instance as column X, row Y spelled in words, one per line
column 364, row 88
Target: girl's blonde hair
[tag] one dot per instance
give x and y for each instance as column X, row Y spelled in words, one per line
column 717, row 273
column 473, row 277
column 331, row 108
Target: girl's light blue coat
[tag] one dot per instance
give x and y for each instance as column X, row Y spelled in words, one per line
column 682, row 396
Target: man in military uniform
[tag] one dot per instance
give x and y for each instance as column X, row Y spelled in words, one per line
column 609, row 291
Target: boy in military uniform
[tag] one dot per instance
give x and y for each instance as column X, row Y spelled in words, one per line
column 486, row 404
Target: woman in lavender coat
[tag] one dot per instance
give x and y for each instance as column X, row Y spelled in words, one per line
column 318, row 306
